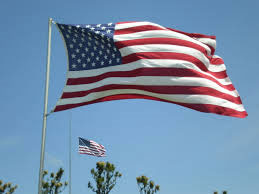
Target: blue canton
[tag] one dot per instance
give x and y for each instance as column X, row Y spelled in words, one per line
column 84, row 142
column 90, row 46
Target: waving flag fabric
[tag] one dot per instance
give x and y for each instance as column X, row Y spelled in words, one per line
column 91, row 148
column 145, row 60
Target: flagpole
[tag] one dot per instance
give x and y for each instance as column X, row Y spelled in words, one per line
column 70, row 187
column 45, row 114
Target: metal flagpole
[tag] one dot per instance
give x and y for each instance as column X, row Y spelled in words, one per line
column 45, row 114
column 70, row 153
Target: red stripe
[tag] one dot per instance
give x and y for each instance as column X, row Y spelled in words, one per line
column 208, row 108
column 137, row 29
column 192, row 90
column 169, row 55
column 167, row 41
column 177, row 72
column 216, row 61
column 125, row 22
column 91, row 151
column 193, row 35
column 102, row 155
column 92, row 148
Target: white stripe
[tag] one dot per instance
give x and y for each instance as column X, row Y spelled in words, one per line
column 148, row 63
column 208, row 41
column 92, row 148
column 159, row 34
column 167, row 48
column 91, row 153
column 151, row 81
column 135, row 24
column 191, row 99
column 216, row 56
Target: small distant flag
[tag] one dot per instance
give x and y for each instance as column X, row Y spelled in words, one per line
column 91, row 148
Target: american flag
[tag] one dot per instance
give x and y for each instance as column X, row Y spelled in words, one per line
column 91, row 148
column 145, row 60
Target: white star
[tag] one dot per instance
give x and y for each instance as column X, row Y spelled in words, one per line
column 105, row 57
column 89, row 38
column 86, row 49
column 98, row 25
column 82, row 39
column 96, row 42
column 71, row 46
column 113, row 55
column 103, row 28
column 87, row 26
column 100, row 52
column 110, row 61
column 103, row 41
column 80, row 44
column 79, row 60
column 108, row 38
column 78, row 26
column 69, row 31
column 92, row 28
column 73, row 66
column 70, row 27
column 77, row 50
column 74, row 40
column 67, row 35
column 109, row 45
column 102, row 35
column 96, row 37
column 118, row 60
column 102, row 46
column 73, row 56
column 83, row 30
column 108, row 31
column 97, row 58
column 76, row 35
column 84, row 65
column 83, row 55
column 93, row 63
column 114, row 48
column 108, row 51
column 89, row 43
column 97, row 32
column 102, row 63
column 62, row 27
column 109, row 24
column 88, row 59
column 92, row 54
column 95, row 48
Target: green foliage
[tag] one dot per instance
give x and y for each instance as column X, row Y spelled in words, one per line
column 53, row 184
column 105, row 178
column 145, row 186
column 7, row 188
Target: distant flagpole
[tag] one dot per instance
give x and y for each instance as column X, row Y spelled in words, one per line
column 45, row 114
column 70, row 187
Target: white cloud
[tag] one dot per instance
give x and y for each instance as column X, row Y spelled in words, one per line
column 9, row 141
column 53, row 161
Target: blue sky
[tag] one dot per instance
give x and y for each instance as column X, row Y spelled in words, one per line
column 182, row 150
